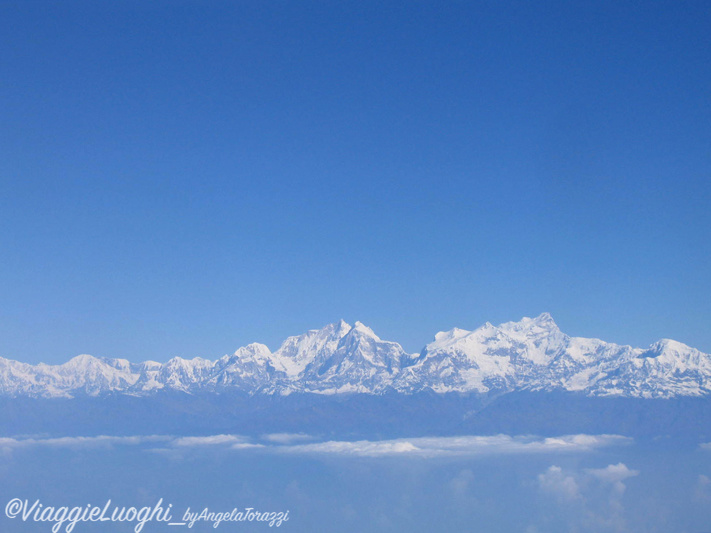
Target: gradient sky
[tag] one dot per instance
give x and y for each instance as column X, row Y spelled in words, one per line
column 182, row 178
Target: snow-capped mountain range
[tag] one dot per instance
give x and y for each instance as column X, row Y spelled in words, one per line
column 532, row 354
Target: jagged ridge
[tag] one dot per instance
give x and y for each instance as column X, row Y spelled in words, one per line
column 532, row 354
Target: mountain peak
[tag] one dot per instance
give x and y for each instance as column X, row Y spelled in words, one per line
column 543, row 324
column 672, row 344
column 253, row 348
column 544, row 321
column 361, row 328
column 82, row 360
column 668, row 346
column 339, row 329
column 544, row 318
column 444, row 337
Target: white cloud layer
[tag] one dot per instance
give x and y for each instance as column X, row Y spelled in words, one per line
column 211, row 440
column 80, row 442
column 454, row 446
column 293, row 444
column 287, row 438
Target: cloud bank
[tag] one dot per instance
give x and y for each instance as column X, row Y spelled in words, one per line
column 595, row 495
column 285, row 443
column 457, row 446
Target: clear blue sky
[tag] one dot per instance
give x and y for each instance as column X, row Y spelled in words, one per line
column 182, row 178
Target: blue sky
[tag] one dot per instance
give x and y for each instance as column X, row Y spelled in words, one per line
column 182, row 178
